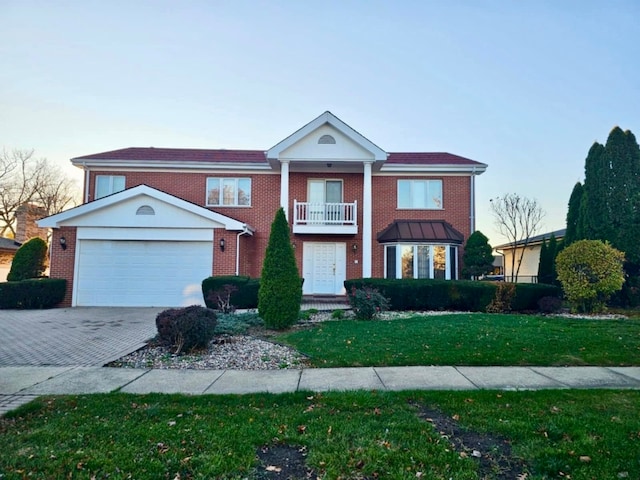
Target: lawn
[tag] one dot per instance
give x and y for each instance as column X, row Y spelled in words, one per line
column 470, row 339
column 392, row 435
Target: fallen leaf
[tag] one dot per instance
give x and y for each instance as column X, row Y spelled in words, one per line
column 171, row 423
column 273, row 468
column 476, row 454
column 585, row 458
column 302, row 428
column 456, row 417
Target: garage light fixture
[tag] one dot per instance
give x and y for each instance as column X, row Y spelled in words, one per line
column 63, row 243
column 222, row 244
column 354, row 247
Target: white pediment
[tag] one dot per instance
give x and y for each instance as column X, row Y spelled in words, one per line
column 326, row 139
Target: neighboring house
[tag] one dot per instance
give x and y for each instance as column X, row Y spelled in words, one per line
column 8, row 248
column 26, row 228
column 157, row 221
column 530, row 259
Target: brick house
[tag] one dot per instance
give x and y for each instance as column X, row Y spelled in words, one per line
column 156, row 221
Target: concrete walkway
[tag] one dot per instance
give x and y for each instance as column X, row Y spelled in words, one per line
column 20, row 385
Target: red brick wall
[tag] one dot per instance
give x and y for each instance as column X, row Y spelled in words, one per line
column 456, row 210
column 62, row 261
column 266, row 201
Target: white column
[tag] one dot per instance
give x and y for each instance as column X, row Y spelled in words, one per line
column 284, row 186
column 366, row 221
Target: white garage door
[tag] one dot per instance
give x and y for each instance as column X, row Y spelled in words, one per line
column 142, row 273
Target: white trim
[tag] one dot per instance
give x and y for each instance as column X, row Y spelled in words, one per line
column 161, row 234
column 55, row 221
column 327, row 118
column 367, row 213
column 122, row 165
column 442, row 168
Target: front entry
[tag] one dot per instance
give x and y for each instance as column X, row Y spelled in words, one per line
column 324, row 268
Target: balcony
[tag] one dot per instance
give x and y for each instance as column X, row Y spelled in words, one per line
column 330, row 218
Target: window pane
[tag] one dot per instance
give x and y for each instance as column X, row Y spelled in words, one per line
column 118, row 184
column 229, row 191
column 407, row 261
column 435, row 194
column 334, row 191
column 391, row 262
column 213, row 191
column 244, row 191
column 423, row 261
column 102, row 186
column 439, row 262
column 404, row 194
column 419, row 193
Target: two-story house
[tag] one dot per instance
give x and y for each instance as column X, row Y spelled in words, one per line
column 156, row 221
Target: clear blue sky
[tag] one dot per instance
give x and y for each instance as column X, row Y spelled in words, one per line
column 524, row 86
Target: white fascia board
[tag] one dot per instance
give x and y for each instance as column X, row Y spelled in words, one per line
column 125, row 165
column 413, row 168
column 54, row 221
column 327, row 117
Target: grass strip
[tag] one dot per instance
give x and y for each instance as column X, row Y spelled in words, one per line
column 470, row 339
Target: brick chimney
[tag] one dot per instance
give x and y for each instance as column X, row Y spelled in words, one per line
column 26, row 226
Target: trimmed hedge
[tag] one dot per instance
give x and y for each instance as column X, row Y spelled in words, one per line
column 33, row 293
column 463, row 295
column 246, row 295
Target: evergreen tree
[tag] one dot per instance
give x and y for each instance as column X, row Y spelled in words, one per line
column 280, row 290
column 30, row 261
column 478, row 256
column 597, row 186
column 623, row 155
column 574, row 232
column 543, row 263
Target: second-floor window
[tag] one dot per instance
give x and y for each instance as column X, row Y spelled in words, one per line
column 229, row 192
column 420, row 194
column 108, row 184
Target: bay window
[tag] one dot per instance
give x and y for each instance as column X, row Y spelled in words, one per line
column 421, row 261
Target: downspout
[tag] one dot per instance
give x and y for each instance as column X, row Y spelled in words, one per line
column 472, row 217
column 86, row 182
column 244, row 231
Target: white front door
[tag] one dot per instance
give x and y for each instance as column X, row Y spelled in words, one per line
column 324, row 268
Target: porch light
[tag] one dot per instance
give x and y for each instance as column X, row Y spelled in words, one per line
column 63, row 243
column 354, row 247
column 222, row 244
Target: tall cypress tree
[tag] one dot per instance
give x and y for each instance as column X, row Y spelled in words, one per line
column 623, row 155
column 543, row 263
column 280, row 290
column 573, row 215
column 597, row 185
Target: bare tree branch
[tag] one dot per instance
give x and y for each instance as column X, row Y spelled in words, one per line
column 518, row 219
column 26, row 179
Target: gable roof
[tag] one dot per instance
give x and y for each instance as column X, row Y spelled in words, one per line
column 536, row 240
column 327, row 118
column 420, row 231
column 55, row 221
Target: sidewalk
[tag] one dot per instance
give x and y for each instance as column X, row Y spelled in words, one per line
column 19, row 385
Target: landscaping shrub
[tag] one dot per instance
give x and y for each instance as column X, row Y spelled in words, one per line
column 501, row 303
column 33, row 293
column 188, row 328
column 590, row 271
column 367, row 303
column 30, row 261
column 549, row 305
column 459, row 295
column 245, row 295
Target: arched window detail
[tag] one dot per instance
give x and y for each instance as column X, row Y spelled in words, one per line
column 326, row 140
column 145, row 210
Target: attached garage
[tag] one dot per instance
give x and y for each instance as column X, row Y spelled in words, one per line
column 139, row 248
column 141, row 273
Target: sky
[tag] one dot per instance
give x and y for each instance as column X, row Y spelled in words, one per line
column 524, row 86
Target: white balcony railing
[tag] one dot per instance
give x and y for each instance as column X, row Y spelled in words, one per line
column 316, row 217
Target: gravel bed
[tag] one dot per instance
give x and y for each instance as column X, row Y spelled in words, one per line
column 226, row 352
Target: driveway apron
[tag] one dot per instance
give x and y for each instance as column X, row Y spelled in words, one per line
column 87, row 336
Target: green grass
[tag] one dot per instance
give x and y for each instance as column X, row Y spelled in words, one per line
column 557, row 434
column 470, row 339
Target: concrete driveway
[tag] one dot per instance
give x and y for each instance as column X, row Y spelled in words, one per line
column 88, row 336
